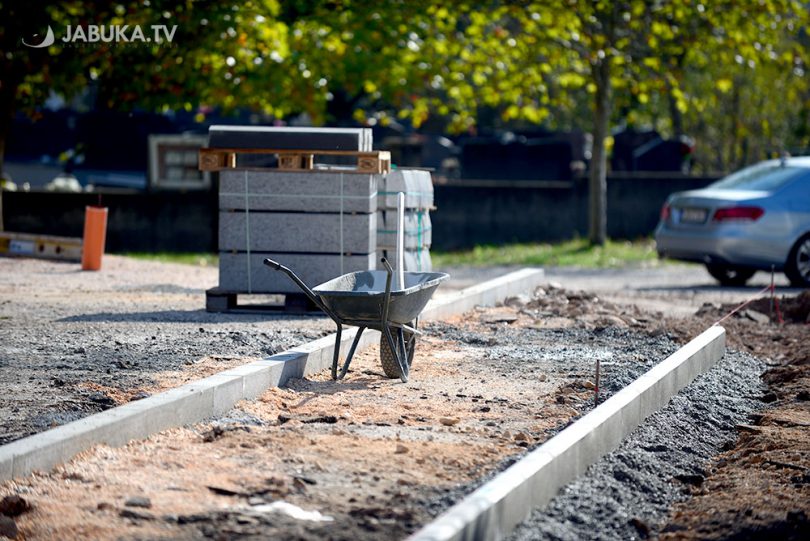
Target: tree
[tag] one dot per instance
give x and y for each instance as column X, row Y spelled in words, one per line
column 213, row 45
column 721, row 70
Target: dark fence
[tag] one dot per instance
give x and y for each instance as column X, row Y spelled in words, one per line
column 137, row 222
column 498, row 212
column 468, row 213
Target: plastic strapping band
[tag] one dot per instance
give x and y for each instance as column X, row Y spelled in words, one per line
column 419, row 239
column 341, row 224
column 247, row 234
column 406, row 193
column 283, row 195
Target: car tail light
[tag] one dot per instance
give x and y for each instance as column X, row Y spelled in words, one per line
column 738, row 213
column 666, row 212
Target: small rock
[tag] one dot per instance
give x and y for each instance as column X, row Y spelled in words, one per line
column 246, row 520
column 542, row 377
column 749, row 428
column 499, row 318
column 641, row 527
column 13, row 506
column 213, row 434
column 401, row 449
column 690, row 479
column 224, row 491
column 449, row 421
column 139, row 501
column 517, row 301
column 507, row 435
column 589, row 385
column 758, row 317
column 8, row 528
column 769, row 397
column 560, row 399
column 105, row 506
column 521, row 436
column 136, row 515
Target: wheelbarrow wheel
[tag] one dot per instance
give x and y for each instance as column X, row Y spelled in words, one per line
column 390, row 365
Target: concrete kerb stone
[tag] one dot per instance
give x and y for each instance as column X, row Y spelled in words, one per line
column 487, row 293
column 216, row 394
column 493, row 510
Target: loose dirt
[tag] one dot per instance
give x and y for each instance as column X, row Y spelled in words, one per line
column 373, row 454
column 760, row 488
column 738, row 466
column 378, row 457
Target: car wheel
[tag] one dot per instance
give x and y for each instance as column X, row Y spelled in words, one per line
column 797, row 267
column 728, row 275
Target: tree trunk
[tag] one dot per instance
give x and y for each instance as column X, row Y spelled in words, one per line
column 7, row 95
column 675, row 115
column 597, row 223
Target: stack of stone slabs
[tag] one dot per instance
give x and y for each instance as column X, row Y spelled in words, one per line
column 417, row 186
column 256, row 137
column 320, row 223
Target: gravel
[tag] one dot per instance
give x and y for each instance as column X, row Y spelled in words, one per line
column 628, row 493
column 74, row 343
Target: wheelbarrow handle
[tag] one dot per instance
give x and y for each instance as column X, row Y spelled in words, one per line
column 387, row 265
column 275, row 265
column 387, row 296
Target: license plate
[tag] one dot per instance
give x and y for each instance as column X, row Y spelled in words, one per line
column 693, row 216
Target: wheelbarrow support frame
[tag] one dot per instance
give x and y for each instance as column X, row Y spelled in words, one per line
column 399, row 348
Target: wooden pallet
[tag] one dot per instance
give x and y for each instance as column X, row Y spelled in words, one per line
column 40, row 246
column 217, row 159
column 224, row 301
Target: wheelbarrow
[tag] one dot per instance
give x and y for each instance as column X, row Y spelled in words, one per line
column 364, row 299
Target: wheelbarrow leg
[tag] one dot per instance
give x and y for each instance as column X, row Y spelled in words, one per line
column 386, row 329
column 351, row 352
column 336, row 353
column 402, row 357
column 396, row 351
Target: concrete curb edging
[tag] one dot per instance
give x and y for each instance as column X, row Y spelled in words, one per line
column 483, row 294
column 496, row 508
column 216, row 394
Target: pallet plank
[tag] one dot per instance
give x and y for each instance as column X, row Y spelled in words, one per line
column 40, row 246
column 217, row 159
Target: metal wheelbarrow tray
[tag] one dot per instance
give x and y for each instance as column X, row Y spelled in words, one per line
column 365, row 299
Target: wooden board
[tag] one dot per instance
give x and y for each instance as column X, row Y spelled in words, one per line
column 217, row 159
column 40, row 246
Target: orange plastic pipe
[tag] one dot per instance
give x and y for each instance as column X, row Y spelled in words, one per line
column 95, row 232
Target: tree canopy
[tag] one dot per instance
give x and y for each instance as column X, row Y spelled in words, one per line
column 730, row 74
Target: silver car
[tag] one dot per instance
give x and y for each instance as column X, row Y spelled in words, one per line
column 750, row 220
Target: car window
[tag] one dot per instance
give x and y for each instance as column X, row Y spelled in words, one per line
column 763, row 177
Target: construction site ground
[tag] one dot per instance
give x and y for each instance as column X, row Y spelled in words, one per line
column 376, row 456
